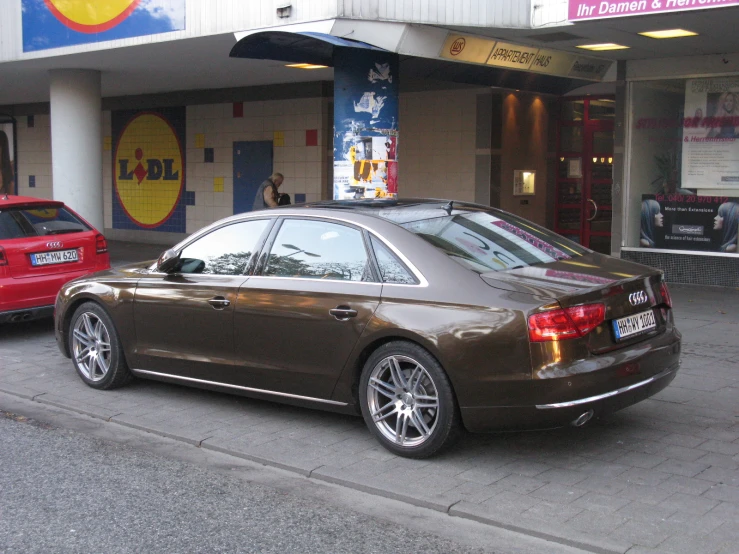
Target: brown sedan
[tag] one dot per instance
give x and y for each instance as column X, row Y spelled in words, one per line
column 424, row 315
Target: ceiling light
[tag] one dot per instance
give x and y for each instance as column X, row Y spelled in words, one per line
column 603, row 46
column 306, row 66
column 669, row 33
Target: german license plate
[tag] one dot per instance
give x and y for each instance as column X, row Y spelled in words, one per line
column 634, row 324
column 56, row 257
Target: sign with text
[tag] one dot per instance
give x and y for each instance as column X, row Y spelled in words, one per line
column 470, row 49
column 579, row 10
column 688, row 222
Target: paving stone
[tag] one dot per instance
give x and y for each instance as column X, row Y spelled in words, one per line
column 640, row 511
column 639, row 476
column 720, row 460
column 596, row 522
column 687, row 485
column 641, row 460
column 720, row 475
column 511, row 502
column 553, row 511
column 562, row 476
column 602, row 485
column 680, row 467
column 720, row 447
column 689, row 504
column 694, row 544
column 557, row 493
column 520, row 484
column 484, row 475
column 724, row 492
column 645, row 493
column 603, row 469
column 642, row 533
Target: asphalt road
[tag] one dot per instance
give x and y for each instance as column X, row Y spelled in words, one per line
column 62, row 490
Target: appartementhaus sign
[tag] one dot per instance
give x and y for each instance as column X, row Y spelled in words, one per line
column 579, row 10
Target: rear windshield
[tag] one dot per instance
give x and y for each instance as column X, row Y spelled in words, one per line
column 484, row 242
column 40, row 221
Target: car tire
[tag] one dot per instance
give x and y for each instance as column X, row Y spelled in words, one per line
column 95, row 348
column 408, row 402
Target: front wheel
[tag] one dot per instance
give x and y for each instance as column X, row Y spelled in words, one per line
column 96, row 351
column 407, row 401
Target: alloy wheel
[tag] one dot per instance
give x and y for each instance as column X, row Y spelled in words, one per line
column 91, row 346
column 403, row 401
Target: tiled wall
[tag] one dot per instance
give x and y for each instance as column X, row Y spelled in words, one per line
column 293, row 125
column 436, row 152
column 34, row 156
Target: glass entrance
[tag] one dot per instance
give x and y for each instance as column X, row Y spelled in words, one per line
column 585, row 171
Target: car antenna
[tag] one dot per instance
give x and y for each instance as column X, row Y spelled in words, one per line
column 448, row 207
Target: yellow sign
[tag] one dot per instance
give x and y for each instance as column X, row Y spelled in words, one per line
column 149, row 172
column 87, row 16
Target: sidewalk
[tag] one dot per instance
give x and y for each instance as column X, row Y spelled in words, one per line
column 660, row 477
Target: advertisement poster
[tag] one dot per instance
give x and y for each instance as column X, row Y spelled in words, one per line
column 365, row 124
column 710, row 157
column 7, row 158
column 56, row 23
column 686, row 222
column 149, row 169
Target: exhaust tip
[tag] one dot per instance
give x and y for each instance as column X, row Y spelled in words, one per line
column 582, row 419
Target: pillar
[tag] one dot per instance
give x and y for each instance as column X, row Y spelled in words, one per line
column 76, row 142
column 365, row 123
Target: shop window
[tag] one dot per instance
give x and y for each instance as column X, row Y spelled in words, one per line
column 573, row 110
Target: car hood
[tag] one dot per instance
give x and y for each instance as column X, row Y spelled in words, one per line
column 570, row 277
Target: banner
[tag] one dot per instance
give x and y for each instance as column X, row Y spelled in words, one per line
column 711, row 133
column 56, row 23
column 684, row 222
column 365, row 124
column 579, row 10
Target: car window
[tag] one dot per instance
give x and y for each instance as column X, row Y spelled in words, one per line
column 392, row 269
column 485, row 242
column 224, row 251
column 39, row 221
column 318, row 250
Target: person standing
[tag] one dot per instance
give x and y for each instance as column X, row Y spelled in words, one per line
column 267, row 194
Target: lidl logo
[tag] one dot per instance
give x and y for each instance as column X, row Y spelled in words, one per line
column 149, row 171
column 91, row 17
column 55, row 23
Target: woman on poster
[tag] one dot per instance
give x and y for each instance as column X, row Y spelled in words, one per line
column 7, row 175
column 727, row 221
column 651, row 220
column 727, row 114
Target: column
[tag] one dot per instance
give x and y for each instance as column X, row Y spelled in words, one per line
column 365, row 123
column 76, row 141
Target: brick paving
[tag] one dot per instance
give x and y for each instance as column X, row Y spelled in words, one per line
column 659, row 477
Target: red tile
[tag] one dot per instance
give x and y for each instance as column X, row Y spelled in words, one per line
column 238, row 109
column 311, row 137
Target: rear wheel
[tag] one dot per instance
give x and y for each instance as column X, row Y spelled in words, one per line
column 407, row 401
column 96, row 350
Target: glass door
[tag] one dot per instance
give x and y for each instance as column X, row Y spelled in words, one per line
column 584, row 172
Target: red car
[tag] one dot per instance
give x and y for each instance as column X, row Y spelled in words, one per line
column 43, row 244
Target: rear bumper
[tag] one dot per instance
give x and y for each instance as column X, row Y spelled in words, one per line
column 604, row 391
column 14, row 316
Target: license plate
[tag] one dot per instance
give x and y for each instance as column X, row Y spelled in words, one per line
column 634, row 324
column 56, row 257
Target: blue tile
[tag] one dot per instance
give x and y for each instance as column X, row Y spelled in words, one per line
column 32, row 181
column 31, row 121
column 189, row 198
column 209, row 155
column 299, row 198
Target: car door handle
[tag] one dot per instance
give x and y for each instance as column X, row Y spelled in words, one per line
column 218, row 302
column 342, row 313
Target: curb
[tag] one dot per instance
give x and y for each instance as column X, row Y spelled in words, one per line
column 464, row 510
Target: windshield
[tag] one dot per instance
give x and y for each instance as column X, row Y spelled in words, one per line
column 484, row 242
column 39, row 221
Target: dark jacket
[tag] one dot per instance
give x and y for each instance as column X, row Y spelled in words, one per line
column 259, row 203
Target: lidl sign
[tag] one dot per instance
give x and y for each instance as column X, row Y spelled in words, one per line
column 149, row 170
column 56, row 23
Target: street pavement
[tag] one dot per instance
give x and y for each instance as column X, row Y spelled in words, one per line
column 660, row 477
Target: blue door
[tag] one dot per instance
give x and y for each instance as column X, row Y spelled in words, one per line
column 252, row 165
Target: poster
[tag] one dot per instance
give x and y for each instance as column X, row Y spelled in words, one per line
column 688, row 222
column 7, row 158
column 365, row 124
column 56, row 23
column 710, row 157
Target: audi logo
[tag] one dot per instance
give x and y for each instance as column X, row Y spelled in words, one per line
column 56, row 244
column 636, row 298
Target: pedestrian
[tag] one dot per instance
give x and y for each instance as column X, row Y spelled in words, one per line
column 7, row 185
column 267, row 195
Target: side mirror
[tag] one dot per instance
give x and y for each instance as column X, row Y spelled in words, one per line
column 168, row 261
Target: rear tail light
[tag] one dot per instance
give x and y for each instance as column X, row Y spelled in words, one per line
column 3, row 257
column 567, row 323
column 101, row 245
column 665, row 293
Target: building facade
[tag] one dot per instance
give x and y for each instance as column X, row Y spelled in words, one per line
column 155, row 118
